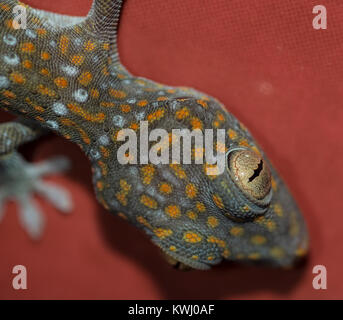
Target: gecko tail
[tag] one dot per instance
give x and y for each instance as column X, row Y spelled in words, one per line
column 103, row 19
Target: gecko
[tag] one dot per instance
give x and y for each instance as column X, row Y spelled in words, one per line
column 63, row 74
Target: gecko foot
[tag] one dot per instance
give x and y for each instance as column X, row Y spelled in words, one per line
column 20, row 181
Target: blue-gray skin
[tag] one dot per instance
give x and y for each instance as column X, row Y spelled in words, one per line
column 64, row 75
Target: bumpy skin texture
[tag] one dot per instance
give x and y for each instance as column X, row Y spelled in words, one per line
column 67, row 77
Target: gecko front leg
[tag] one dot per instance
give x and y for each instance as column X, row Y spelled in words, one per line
column 20, row 180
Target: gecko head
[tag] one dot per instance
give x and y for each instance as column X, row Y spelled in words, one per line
column 199, row 217
column 245, row 212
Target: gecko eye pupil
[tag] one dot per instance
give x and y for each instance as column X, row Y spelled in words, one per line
column 250, row 173
column 257, row 171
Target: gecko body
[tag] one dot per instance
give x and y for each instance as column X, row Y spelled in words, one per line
column 64, row 75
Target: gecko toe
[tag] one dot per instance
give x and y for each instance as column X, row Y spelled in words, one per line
column 20, row 181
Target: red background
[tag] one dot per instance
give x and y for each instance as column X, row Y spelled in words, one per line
column 278, row 75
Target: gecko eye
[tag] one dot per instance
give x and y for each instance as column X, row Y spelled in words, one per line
column 250, row 173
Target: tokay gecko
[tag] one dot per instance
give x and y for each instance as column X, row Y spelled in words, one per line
column 63, row 74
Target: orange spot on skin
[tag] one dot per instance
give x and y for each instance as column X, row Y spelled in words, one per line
column 99, row 117
column 226, row 253
column 64, row 43
column 61, row 82
column 236, row 231
column 125, row 108
column 41, row 32
column 39, row 108
column 27, row 64
column 192, row 215
column 162, row 98
column 119, row 94
column 244, row 143
column 218, row 201
column 28, row 47
column 278, row 209
column 134, row 126
column 220, row 117
column 84, row 137
column 254, row 256
column 121, row 198
column 95, row 93
column 269, row 224
column 203, row 103
column 100, row 185
column 148, row 172
column 200, row 207
column 274, row 184
column 4, row 6
column 44, row 72
column 105, row 104
column 182, row 114
column 89, row 45
column 77, row 59
column 232, row 134
column 173, row 211
column 104, row 168
column 105, row 152
column 17, row 78
column 157, row 115
column 45, row 91
column 9, row 23
column 40, row 119
column 122, row 215
column 105, row 71
column 166, row 188
column 45, row 55
column 9, row 94
column 125, row 187
column 192, row 237
column 258, row 239
column 163, row 233
column 191, row 191
column 36, row 107
column 178, row 171
column 142, row 103
column 148, row 202
column 144, row 222
column 212, row 221
column 85, row 78
column 196, row 123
